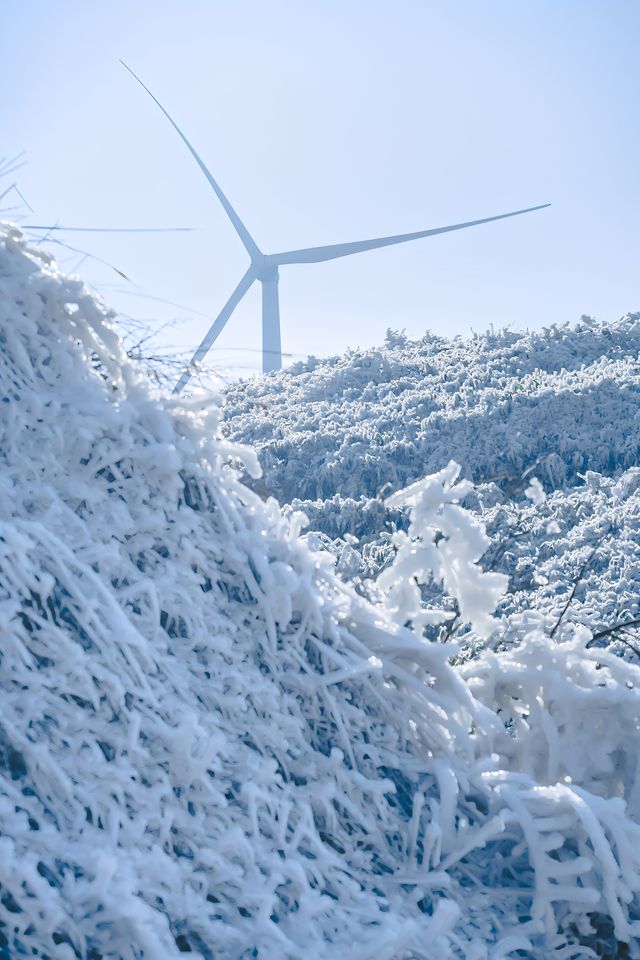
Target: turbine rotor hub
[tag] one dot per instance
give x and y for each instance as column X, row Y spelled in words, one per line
column 267, row 272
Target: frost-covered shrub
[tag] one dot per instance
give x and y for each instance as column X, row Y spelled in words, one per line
column 210, row 744
column 444, row 543
column 574, row 558
column 564, row 399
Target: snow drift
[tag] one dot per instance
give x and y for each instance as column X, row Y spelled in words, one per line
column 210, row 744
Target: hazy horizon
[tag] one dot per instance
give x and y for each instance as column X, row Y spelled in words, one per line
column 334, row 123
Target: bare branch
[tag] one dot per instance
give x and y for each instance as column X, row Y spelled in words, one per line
column 609, row 631
column 573, row 590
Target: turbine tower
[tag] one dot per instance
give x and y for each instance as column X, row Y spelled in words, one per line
column 264, row 267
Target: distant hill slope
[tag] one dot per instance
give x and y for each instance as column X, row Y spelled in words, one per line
column 559, row 404
column 564, row 400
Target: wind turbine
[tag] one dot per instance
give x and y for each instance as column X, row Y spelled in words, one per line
column 264, row 266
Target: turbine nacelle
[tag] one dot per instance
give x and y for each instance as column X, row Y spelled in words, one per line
column 264, row 267
column 266, row 270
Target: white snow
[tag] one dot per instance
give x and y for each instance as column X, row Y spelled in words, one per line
column 535, row 492
column 546, row 423
column 210, row 742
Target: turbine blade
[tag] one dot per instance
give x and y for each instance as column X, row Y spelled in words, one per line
column 249, row 243
column 332, row 252
column 217, row 327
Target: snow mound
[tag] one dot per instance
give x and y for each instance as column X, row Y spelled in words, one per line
column 209, row 744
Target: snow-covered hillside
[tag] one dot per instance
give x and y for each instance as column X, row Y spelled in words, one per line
column 210, row 744
column 499, row 404
column 562, row 405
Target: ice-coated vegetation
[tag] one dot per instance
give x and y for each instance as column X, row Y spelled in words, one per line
column 546, row 423
column 210, row 743
column 498, row 404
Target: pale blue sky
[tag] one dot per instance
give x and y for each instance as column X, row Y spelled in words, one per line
column 334, row 121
